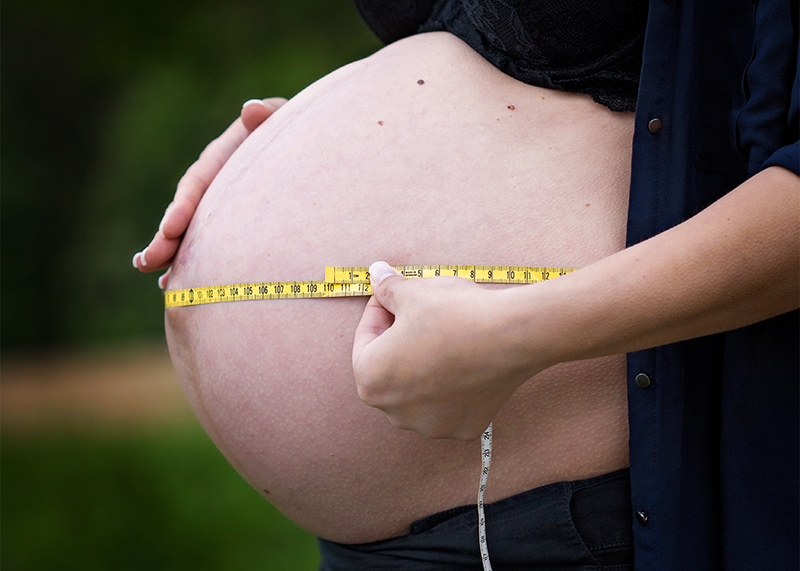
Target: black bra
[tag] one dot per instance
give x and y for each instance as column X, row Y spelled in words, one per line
column 584, row 46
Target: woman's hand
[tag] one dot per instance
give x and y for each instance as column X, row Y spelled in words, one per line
column 162, row 248
column 436, row 355
column 440, row 356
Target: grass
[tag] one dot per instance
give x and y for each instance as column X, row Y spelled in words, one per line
column 163, row 500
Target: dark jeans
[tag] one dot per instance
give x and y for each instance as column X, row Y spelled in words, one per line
column 566, row 526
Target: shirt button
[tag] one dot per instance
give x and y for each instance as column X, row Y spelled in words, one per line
column 655, row 125
column 642, row 381
column 641, row 517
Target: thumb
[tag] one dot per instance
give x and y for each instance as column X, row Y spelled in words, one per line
column 384, row 280
column 378, row 315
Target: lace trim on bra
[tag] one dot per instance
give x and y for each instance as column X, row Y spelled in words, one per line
column 584, row 46
column 556, row 56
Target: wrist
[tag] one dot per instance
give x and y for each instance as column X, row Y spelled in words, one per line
column 534, row 331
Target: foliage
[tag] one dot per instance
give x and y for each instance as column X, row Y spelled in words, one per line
column 155, row 501
column 105, row 104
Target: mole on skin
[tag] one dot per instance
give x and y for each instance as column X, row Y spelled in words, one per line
column 275, row 408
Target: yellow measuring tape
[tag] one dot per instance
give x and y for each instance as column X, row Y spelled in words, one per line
column 352, row 281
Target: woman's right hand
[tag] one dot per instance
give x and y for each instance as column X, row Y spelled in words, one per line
column 192, row 185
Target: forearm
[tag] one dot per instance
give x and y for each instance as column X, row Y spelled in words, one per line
column 442, row 356
column 735, row 263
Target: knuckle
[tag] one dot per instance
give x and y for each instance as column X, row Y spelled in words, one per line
column 393, row 288
column 385, row 294
column 439, row 432
column 180, row 213
column 190, row 178
column 401, row 423
column 369, row 394
column 210, row 149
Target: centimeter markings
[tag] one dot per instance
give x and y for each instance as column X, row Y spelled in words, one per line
column 352, row 281
column 486, row 463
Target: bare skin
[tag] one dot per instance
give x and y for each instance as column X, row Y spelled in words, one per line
column 739, row 264
column 193, row 185
column 468, row 166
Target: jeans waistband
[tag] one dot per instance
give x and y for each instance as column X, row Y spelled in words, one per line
column 577, row 525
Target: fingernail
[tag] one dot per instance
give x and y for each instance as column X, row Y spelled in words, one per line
column 162, row 282
column 252, row 102
column 141, row 258
column 379, row 271
column 133, row 261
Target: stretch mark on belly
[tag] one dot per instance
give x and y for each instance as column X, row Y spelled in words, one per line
column 353, row 281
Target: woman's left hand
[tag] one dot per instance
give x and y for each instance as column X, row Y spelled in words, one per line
column 436, row 355
column 193, row 185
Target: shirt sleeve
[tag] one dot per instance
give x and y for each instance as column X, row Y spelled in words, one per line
column 788, row 156
column 768, row 125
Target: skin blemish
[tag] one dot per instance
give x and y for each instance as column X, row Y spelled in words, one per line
column 266, row 491
column 420, row 82
column 511, row 107
column 185, row 254
column 380, row 123
column 587, row 205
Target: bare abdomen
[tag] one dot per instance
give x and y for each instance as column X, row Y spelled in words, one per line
column 422, row 153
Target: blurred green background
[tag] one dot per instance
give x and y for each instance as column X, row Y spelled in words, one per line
column 103, row 107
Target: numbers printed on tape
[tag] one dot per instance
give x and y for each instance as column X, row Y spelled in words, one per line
column 351, row 281
column 486, row 463
column 354, row 281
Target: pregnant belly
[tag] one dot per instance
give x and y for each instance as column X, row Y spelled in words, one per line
column 420, row 154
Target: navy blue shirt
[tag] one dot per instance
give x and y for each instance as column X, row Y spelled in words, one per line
column 714, row 421
column 714, row 435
